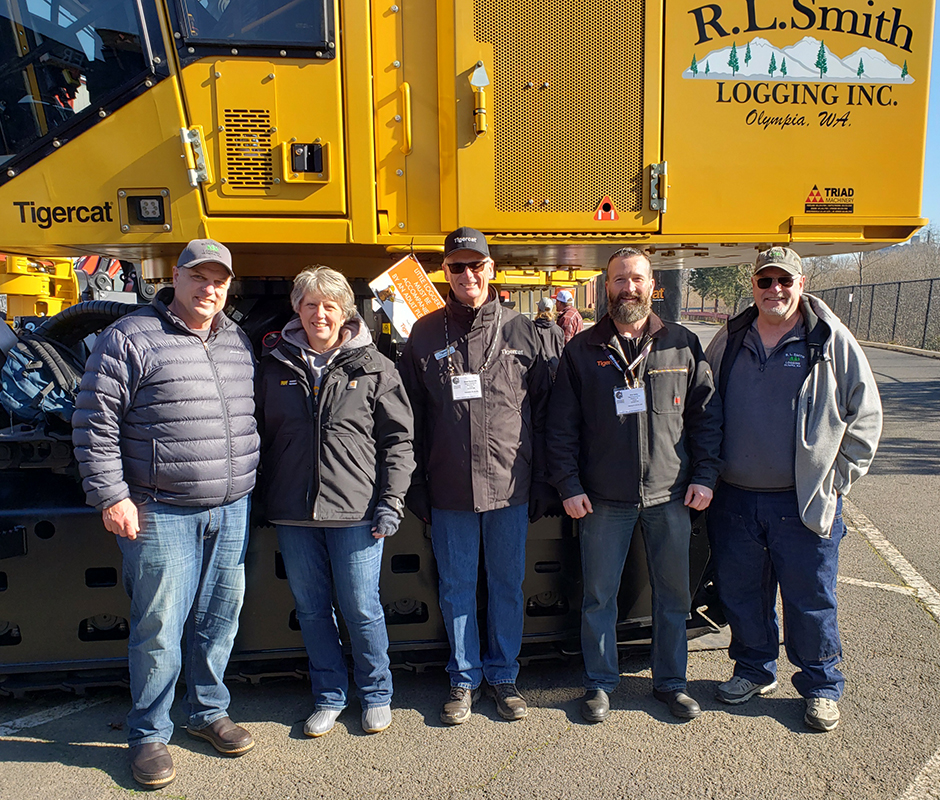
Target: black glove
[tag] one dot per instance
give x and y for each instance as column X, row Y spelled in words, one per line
column 418, row 501
column 386, row 520
column 543, row 500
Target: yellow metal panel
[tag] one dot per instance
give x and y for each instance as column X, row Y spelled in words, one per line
column 250, row 108
column 36, row 288
column 840, row 134
column 568, row 115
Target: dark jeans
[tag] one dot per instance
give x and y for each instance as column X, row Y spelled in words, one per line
column 759, row 542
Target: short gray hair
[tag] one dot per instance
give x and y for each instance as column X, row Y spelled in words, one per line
column 326, row 283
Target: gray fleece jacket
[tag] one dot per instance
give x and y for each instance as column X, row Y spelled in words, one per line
column 838, row 415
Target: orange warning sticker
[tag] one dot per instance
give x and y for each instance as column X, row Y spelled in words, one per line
column 605, row 211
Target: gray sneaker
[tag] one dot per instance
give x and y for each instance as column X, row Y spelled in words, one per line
column 739, row 690
column 821, row 713
column 457, row 707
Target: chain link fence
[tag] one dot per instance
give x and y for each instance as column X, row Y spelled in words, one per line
column 903, row 312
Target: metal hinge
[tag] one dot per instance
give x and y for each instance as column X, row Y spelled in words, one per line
column 197, row 169
column 658, row 187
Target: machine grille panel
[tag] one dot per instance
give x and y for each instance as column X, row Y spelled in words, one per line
column 249, row 163
column 567, row 102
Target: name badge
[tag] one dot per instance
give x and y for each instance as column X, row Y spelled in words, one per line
column 630, row 401
column 466, row 387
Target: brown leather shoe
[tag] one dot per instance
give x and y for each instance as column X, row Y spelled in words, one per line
column 225, row 736
column 152, row 765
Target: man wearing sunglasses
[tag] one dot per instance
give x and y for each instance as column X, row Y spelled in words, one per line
column 478, row 384
column 802, row 420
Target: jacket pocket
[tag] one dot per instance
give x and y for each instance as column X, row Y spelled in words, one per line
column 667, row 389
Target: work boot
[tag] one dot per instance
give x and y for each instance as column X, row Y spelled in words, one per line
column 152, row 765
column 376, row 718
column 595, row 705
column 321, row 721
column 225, row 736
column 457, row 707
column 680, row 704
column 509, row 703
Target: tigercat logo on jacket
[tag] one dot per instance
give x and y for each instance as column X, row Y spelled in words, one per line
column 506, row 351
column 603, row 362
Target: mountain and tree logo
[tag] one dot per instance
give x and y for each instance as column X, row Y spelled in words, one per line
column 807, row 60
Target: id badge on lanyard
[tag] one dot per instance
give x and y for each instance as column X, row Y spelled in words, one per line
column 466, row 387
column 629, row 401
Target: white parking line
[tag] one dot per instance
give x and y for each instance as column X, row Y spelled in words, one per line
column 924, row 592
column 925, row 785
column 50, row 714
column 887, row 587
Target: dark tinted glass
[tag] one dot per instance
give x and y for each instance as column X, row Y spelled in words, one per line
column 262, row 22
column 58, row 59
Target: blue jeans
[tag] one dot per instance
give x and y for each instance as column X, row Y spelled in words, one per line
column 758, row 541
column 185, row 575
column 605, row 541
column 456, row 537
column 349, row 560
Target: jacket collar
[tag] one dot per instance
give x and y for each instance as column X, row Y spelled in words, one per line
column 817, row 330
column 469, row 317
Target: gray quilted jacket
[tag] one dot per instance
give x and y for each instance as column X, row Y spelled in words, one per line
column 161, row 415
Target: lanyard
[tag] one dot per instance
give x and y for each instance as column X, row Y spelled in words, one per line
column 489, row 355
column 619, row 360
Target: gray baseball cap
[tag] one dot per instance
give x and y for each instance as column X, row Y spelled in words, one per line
column 203, row 251
column 781, row 257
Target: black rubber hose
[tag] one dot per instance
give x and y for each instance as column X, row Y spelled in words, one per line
column 74, row 323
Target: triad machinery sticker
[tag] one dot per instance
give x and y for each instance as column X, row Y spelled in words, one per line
column 831, row 200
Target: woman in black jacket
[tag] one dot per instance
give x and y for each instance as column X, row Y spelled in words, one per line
column 336, row 454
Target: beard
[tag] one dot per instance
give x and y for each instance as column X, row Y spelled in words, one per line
column 629, row 313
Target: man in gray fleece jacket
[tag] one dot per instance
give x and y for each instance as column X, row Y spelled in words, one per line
column 802, row 420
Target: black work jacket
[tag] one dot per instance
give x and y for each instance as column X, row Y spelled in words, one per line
column 332, row 457
column 640, row 459
column 482, row 454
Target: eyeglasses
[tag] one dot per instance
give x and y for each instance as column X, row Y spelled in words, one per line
column 475, row 266
column 786, row 281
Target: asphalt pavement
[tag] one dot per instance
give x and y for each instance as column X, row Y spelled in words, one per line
column 57, row 745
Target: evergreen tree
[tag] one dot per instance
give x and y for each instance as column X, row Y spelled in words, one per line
column 694, row 67
column 733, row 59
column 773, row 65
column 707, row 68
column 904, row 70
column 861, row 68
column 747, row 55
column 783, row 67
column 821, row 63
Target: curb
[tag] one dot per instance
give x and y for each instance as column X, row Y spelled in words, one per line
column 899, row 348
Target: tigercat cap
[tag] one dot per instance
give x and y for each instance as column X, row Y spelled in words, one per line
column 202, row 251
column 564, row 296
column 781, row 257
column 466, row 239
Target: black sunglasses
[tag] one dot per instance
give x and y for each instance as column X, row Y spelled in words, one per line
column 785, row 281
column 475, row 266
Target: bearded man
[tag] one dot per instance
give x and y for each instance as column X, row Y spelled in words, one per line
column 634, row 433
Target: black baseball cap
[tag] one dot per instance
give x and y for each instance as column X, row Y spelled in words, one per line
column 202, row 251
column 466, row 239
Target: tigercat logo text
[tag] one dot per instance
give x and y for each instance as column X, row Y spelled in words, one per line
column 47, row 216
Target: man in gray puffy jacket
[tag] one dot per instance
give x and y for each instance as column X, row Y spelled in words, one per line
column 802, row 420
column 165, row 436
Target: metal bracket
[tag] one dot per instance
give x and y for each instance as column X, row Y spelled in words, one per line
column 658, row 187
column 197, row 169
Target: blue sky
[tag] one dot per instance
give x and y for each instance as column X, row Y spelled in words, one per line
column 931, row 205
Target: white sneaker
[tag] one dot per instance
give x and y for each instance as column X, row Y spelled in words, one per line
column 739, row 690
column 821, row 713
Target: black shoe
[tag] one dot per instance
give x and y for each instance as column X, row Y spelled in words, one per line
column 152, row 765
column 509, row 703
column 595, row 705
column 680, row 704
column 457, row 707
column 226, row 737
